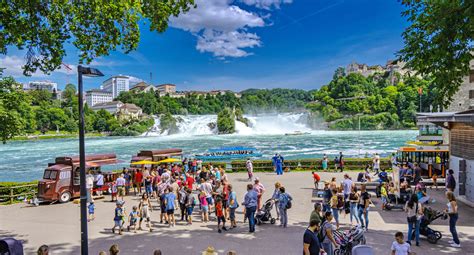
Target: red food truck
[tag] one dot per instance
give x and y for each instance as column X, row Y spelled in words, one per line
column 62, row 178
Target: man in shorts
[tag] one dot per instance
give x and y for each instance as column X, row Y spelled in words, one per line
column 170, row 206
column 120, row 182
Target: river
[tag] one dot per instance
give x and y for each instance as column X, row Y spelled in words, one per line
column 25, row 160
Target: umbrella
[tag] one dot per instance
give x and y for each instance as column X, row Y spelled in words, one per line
column 145, row 162
column 169, row 160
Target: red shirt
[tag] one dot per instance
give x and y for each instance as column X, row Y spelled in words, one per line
column 316, row 177
column 219, row 210
column 138, row 177
column 190, row 182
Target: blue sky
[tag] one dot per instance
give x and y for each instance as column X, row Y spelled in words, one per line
column 242, row 44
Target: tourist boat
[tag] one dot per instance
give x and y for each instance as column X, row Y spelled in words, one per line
column 298, row 133
column 229, row 153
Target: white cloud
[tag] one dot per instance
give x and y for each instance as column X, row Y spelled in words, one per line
column 222, row 28
column 108, row 63
column 227, row 44
column 218, row 15
column 13, row 67
column 266, row 4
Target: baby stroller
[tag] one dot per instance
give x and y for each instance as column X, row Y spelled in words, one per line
column 430, row 215
column 264, row 214
column 348, row 239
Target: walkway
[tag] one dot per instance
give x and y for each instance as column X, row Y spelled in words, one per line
column 58, row 226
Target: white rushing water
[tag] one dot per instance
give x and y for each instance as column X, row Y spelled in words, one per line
column 268, row 124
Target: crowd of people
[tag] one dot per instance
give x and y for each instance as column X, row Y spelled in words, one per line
column 345, row 197
column 176, row 191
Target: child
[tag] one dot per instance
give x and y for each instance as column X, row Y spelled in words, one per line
column 383, row 194
column 91, row 211
column 119, row 217
column 113, row 188
column 399, row 246
column 133, row 219
column 434, row 177
column 148, row 187
column 316, row 180
column 190, row 203
column 220, row 214
column 204, row 206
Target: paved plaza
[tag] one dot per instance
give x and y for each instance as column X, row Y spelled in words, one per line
column 58, row 226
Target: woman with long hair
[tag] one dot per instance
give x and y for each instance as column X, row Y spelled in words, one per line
column 452, row 210
column 353, row 199
column 276, row 196
column 414, row 211
column 144, row 208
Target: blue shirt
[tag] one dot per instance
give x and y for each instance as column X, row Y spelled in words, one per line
column 91, row 208
column 218, row 175
column 283, row 200
column 232, row 196
column 170, row 198
column 250, row 199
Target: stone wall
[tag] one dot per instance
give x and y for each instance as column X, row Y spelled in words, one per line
column 461, row 100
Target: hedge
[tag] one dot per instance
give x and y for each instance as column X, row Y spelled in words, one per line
column 308, row 164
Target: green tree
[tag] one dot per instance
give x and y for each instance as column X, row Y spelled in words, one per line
column 69, row 96
column 439, row 42
column 94, row 28
column 15, row 109
column 168, row 122
column 226, row 121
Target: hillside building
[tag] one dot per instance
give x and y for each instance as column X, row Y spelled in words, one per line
column 166, row 89
column 41, row 85
column 116, row 84
column 97, row 96
column 143, row 87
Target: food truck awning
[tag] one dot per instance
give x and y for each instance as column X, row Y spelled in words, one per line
column 169, row 160
column 145, row 162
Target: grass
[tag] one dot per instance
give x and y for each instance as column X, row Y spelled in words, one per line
column 53, row 135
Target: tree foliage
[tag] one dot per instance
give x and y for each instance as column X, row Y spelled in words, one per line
column 439, row 42
column 95, row 28
column 394, row 105
column 226, row 121
column 15, row 109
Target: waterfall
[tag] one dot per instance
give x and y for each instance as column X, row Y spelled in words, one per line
column 281, row 123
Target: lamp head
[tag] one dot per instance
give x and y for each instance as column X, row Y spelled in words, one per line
column 90, row 72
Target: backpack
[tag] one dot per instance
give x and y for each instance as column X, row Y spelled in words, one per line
column 288, row 201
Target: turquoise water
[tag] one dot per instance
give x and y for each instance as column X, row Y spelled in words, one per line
column 26, row 160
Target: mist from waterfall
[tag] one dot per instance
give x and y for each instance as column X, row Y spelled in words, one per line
column 264, row 124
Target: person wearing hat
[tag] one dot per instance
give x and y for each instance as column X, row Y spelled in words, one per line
column 209, row 251
column 119, row 216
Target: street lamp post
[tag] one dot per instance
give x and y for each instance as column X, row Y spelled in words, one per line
column 91, row 72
